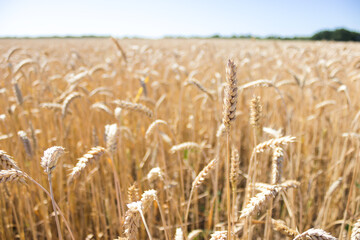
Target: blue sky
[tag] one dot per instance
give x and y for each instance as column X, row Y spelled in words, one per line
column 157, row 18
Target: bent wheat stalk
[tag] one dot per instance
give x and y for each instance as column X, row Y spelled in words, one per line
column 197, row 182
column 48, row 162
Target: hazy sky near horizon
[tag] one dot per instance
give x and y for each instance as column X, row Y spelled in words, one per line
column 158, row 18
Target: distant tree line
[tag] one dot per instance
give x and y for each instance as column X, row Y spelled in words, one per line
column 337, row 35
column 340, row 34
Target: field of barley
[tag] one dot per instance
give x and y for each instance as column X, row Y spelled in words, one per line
column 179, row 139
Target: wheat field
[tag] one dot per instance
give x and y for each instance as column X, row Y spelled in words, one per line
column 179, row 139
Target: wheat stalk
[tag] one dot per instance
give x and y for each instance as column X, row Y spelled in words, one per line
column 229, row 110
column 48, row 162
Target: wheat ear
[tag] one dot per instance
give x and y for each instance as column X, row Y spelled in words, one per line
column 133, row 193
column 315, row 234
column 6, row 161
column 91, row 156
column 134, row 107
column 184, row 146
column 219, row 235
column 262, row 198
column 26, row 142
column 12, row 175
column 273, row 143
column 355, row 233
column 256, row 115
column 179, row 234
column 152, row 127
column 280, row 227
column 68, row 100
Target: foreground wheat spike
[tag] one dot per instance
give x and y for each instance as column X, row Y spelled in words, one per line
column 179, row 234
column 256, row 203
column 219, row 235
column 111, row 134
column 134, row 107
column 12, row 175
column 91, row 156
column 280, row 227
column 273, row 143
column 230, row 98
column 26, row 142
column 68, row 100
column 185, row 146
column 152, row 126
column 6, row 161
column 355, row 234
column 277, row 160
column 315, row 234
column 50, row 158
